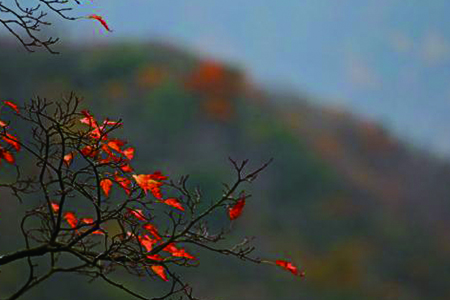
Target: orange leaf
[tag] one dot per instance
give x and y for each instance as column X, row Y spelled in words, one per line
column 129, row 153
column 12, row 140
column 116, row 144
column 160, row 271
column 12, row 105
column 101, row 20
column 149, row 182
column 71, row 219
column 174, row 203
column 236, row 210
column 106, row 185
column 3, row 124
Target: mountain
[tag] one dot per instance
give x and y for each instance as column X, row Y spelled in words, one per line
column 363, row 212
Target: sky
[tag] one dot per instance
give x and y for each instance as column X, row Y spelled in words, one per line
column 388, row 60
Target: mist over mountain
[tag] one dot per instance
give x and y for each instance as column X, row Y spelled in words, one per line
column 385, row 59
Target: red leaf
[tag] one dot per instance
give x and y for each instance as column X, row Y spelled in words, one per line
column 98, row 232
column 155, row 257
column 3, row 124
column 68, row 158
column 71, row 219
column 12, row 140
column 236, row 210
column 174, row 203
column 289, row 267
column 137, row 213
column 116, row 144
column 152, row 230
column 88, row 119
column 55, row 207
column 101, row 20
column 106, row 185
column 89, row 151
column 160, row 271
column 172, row 249
column 6, row 155
column 111, row 123
column 87, row 220
column 149, row 182
column 126, row 168
column 125, row 183
column 12, row 105
column 147, row 242
column 129, row 153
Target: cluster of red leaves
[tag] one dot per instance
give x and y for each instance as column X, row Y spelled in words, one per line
column 8, row 138
column 151, row 238
column 73, row 221
column 113, row 151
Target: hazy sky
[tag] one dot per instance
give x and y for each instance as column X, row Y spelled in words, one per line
column 388, row 59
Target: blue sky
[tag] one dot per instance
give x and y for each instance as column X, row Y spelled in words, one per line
column 385, row 59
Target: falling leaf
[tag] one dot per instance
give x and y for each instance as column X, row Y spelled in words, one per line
column 106, row 185
column 12, row 105
column 160, row 271
column 174, row 203
column 236, row 210
column 101, row 20
column 71, row 219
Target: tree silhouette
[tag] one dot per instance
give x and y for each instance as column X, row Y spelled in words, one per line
column 87, row 205
column 25, row 19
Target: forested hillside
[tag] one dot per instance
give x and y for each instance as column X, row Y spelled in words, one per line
column 364, row 213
